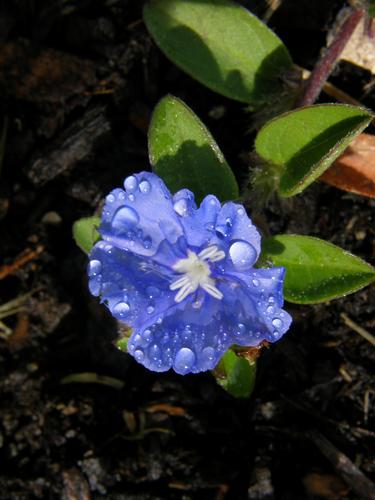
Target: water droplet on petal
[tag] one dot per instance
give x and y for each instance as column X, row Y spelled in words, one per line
column 181, row 207
column 94, row 268
column 139, row 354
column 256, row 282
column 208, row 353
column 241, row 329
column 228, row 222
column 155, row 352
column 110, row 198
column 153, row 292
column 243, row 255
column 222, row 231
column 277, row 323
column 270, row 309
column 131, row 197
column 147, row 242
column 184, row 360
column 146, row 335
column 131, row 184
column 150, row 309
column 145, row 187
column 209, row 226
column 124, row 217
column 240, row 211
column 95, row 285
column 121, row 309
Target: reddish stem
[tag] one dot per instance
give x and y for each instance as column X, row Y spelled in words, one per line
column 326, row 63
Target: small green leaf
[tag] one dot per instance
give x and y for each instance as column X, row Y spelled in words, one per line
column 220, row 44
column 305, row 142
column 236, row 375
column 85, row 233
column 185, row 155
column 316, row 271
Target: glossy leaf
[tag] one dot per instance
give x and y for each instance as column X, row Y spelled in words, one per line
column 316, row 271
column 220, row 44
column 185, row 155
column 354, row 170
column 85, row 233
column 305, row 142
column 236, row 375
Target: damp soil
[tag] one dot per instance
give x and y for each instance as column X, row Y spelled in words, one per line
column 78, row 418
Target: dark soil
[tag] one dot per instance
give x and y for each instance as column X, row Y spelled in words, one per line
column 78, row 82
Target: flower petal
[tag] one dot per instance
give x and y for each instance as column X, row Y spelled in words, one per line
column 235, row 232
column 141, row 217
column 136, row 290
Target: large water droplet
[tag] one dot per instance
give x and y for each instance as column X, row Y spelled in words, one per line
column 181, row 207
column 124, row 217
column 131, row 184
column 110, row 198
column 277, row 323
column 146, row 335
column 139, row 355
column 243, row 255
column 95, row 285
column 94, row 268
column 184, row 360
column 121, row 309
column 241, row 329
column 155, row 352
column 208, row 353
column 150, row 309
column 145, row 187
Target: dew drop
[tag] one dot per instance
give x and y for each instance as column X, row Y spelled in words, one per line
column 153, row 292
column 155, row 351
column 181, row 207
column 256, row 282
column 209, row 226
column 242, row 254
column 241, row 329
column 110, row 198
column 124, row 217
column 95, row 285
column 150, row 309
column 277, row 323
column 240, row 211
column 222, row 231
column 145, row 187
column 146, row 335
column 147, row 242
column 139, row 354
column 270, row 309
column 184, row 360
column 131, row 197
column 131, row 184
column 121, row 309
column 208, row 353
column 94, row 268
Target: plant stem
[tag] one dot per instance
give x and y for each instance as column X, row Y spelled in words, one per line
column 326, row 63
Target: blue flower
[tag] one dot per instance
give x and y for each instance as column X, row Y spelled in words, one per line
column 182, row 277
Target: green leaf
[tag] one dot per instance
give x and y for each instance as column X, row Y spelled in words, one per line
column 316, row 271
column 185, row 155
column 305, row 142
column 220, row 44
column 85, row 233
column 371, row 8
column 236, row 375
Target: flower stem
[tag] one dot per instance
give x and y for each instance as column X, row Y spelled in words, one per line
column 326, row 63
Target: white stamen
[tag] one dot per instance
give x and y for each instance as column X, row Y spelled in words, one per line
column 196, row 273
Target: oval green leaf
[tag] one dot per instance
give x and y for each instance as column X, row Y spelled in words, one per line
column 185, row 155
column 236, row 375
column 85, row 233
column 316, row 271
column 220, row 44
column 305, row 142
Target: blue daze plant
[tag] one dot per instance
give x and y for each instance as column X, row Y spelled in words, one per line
column 183, row 277
column 188, row 272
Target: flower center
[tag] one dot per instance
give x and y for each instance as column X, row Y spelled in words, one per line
column 196, row 273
